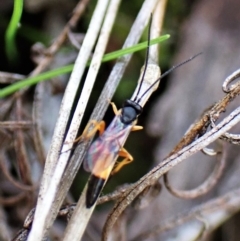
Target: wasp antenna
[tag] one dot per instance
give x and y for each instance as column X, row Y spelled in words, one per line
column 167, row 73
column 146, row 60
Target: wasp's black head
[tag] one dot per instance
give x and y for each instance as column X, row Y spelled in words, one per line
column 130, row 111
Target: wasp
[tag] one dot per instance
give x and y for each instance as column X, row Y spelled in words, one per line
column 102, row 154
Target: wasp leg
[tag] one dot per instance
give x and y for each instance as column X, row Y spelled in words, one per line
column 115, row 110
column 137, row 128
column 128, row 158
column 98, row 126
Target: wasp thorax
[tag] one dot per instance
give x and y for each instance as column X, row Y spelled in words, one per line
column 130, row 111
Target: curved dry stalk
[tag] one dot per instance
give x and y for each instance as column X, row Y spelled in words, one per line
column 9, row 201
column 11, row 179
column 20, row 146
column 206, row 186
column 231, row 138
column 156, row 28
column 36, row 118
column 209, row 151
column 223, row 207
column 166, row 165
column 147, row 196
column 235, row 75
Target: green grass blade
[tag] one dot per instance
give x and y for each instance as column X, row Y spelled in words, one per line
column 67, row 69
column 135, row 48
column 11, row 49
column 34, row 80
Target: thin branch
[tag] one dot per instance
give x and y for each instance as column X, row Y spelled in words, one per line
column 10, row 201
column 36, row 118
column 118, row 193
column 10, row 178
column 7, row 78
column 206, row 186
column 77, row 13
column 156, row 29
column 231, row 138
column 235, row 75
column 16, row 124
column 22, row 157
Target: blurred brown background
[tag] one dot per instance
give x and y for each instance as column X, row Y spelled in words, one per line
column 211, row 27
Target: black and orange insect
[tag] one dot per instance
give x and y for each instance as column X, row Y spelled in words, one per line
column 103, row 152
